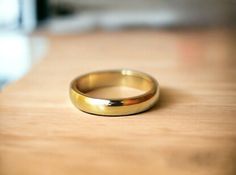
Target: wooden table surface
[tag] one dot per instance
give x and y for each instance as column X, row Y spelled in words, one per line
column 192, row 130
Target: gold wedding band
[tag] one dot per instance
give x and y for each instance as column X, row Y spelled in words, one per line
column 115, row 106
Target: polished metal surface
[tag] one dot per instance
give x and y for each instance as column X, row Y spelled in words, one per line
column 81, row 86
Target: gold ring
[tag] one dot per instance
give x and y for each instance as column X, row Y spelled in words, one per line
column 82, row 85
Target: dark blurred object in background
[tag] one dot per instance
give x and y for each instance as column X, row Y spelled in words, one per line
column 43, row 10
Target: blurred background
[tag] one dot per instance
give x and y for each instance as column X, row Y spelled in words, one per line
column 20, row 47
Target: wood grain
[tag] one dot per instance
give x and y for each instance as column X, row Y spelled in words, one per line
column 192, row 130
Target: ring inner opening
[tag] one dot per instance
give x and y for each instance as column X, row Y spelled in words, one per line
column 113, row 85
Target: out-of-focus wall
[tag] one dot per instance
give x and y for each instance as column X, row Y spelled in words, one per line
column 213, row 11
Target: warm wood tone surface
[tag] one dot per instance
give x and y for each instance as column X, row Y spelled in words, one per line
column 192, row 130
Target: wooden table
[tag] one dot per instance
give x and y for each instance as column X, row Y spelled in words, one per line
column 192, row 130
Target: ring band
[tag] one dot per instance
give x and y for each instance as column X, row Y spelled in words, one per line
column 115, row 106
